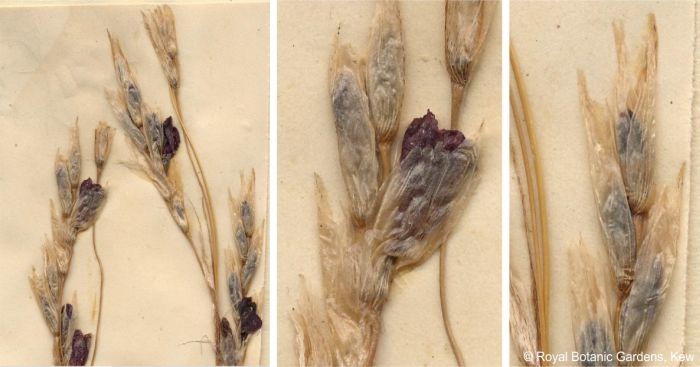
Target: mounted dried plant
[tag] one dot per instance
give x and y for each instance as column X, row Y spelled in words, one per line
column 640, row 221
column 400, row 210
column 156, row 140
column 80, row 204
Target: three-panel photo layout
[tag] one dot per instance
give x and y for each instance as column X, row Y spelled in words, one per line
column 349, row 183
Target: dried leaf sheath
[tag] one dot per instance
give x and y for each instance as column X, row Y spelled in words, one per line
column 614, row 213
column 529, row 172
column 634, row 125
column 385, row 77
column 653, row 270
column 356, row 140
column 592, row 328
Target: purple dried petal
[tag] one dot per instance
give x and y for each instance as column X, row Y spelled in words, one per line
column 88, row 185
column 80, row 348
column 422, row 131
column 451, row 139
column 171, row 141
column 250, row 321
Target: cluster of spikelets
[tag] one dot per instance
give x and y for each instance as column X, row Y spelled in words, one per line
column 404, row 199
column 156, row 140
column 80, row 203
column 639, row 219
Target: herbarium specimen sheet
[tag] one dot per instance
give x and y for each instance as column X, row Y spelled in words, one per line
column 412, row 331
column 56, row 64
column 568, row 61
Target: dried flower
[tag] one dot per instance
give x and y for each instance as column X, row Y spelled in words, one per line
column 171, row 141
column 466, row 26
column 74, row 158
column 653, row 270
column 634, row 127
column 356, row 143
column 614, row 213
column 437, row 170
column 65, row 193
column 104, row 134
column 80, row 348
column 90, row 198
column 127, row 83
column 160, row 24
column 385, row 70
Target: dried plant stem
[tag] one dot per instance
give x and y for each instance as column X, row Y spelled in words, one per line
column 535, row 203
column 209, row 214
column 457, row 98
column 101, row 287
column 443, row 307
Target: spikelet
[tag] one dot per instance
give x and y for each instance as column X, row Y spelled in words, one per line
column 356, row 141
column 160, row 25
column 634, row 125
column 385, row 70
column 467, row 23
column 126, row 80
column 104, row 135
column 653, row 270
column 609, row 190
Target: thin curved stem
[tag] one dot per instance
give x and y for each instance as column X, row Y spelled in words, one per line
column 101, row 288
column 443, row 306
column 209, row 214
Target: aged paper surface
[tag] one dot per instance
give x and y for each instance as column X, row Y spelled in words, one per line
column 578, row 35
column 412, row 332
column 55, row 64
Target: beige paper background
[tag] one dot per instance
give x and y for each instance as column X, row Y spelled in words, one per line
column 571, row 35
column 54, row 65
column 412, row 333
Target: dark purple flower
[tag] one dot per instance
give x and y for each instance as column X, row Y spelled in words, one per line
column 424, row 132
column 80, row 348
column 90, row 198
column 171, row 141
column 250, row 321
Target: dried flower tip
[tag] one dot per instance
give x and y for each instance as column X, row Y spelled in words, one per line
column 160, row 24
column 65, row 193
column 423, row 132
column 227, row 344
column 74, row 157
column 609, row 190
column 250, row 321
column 116, row 100
column 653, row 270
column 127, row 82
column 67, row 329
column 634, row 128
column 385, row 70
column 104, row 135
column 466, row 26
column 356, row 143
column 80, row 348
column 593, row 331
column 90, row 199
column 171, row 141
